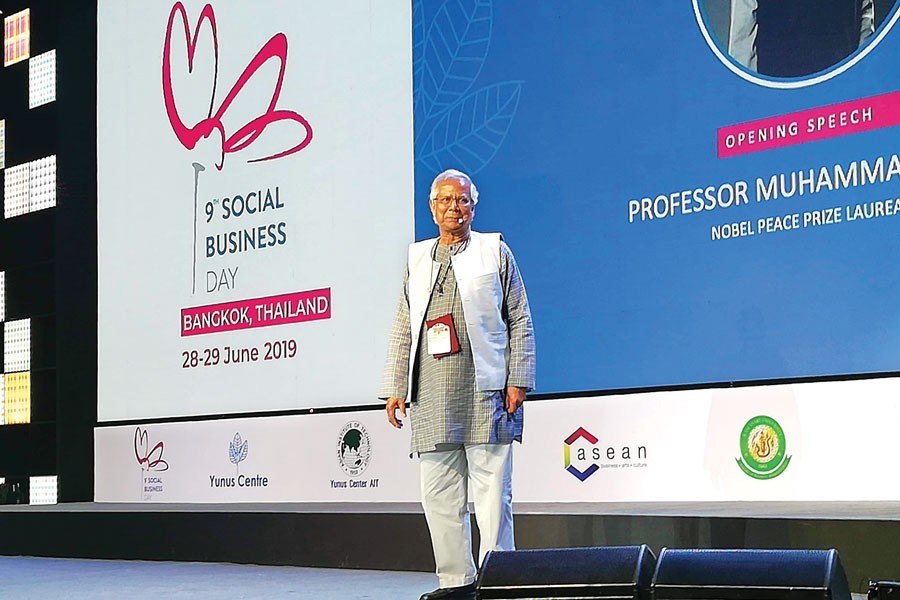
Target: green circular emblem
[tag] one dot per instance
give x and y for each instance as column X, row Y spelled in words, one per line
column 763, row 448
column 353, row 448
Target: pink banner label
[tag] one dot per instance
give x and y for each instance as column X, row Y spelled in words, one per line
column 297, row 307
column 810, row 125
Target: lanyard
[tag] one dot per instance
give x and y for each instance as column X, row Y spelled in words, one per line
column 444, row 269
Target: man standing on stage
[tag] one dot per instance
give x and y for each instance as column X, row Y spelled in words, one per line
column 462, row 351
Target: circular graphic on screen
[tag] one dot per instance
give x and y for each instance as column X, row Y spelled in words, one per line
column 793, row 44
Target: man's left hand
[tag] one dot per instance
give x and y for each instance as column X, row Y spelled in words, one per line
column 515, row 396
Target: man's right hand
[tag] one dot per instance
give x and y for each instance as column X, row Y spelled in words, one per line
column 392, row 405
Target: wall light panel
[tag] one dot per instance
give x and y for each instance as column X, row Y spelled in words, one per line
column 16, row 37
column 16, row 346
column 18, row 398
column 42, row 490
column 42, row 79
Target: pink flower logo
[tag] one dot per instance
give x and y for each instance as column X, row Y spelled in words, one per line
column 231, row 141
column 150, row 459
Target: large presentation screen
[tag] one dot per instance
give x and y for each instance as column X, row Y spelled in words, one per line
column 255, row 173
column 695, row 192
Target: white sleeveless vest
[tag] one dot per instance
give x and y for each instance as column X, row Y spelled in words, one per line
column 477, row 271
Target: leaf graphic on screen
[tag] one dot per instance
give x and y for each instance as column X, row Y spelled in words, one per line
column 456, row 45
column 418, row 36
column 469, row 134
column 237, row 450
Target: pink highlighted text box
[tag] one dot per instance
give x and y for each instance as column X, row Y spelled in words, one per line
column 296, row 307
column 811, row 125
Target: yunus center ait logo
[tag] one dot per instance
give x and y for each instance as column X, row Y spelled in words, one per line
column 763, row 448
column 353, row 448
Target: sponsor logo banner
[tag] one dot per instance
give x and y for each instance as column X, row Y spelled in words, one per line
column 763, row 443
column 770, row 443
column 350, row 457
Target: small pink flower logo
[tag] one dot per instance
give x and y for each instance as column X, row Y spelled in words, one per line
column 150, row 459
column 231, row 141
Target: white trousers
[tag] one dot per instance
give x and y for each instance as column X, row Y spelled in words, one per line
column 445, row 476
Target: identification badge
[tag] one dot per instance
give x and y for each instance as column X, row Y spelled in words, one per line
column 441, row 336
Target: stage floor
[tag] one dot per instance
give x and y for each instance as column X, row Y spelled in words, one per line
column 394, row 537
column 41, row 578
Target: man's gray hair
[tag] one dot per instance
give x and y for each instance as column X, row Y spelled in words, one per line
column 452, row 174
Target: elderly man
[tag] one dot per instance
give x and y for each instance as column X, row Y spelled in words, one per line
column 462, row 351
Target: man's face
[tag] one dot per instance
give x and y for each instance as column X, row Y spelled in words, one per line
column 452, row 203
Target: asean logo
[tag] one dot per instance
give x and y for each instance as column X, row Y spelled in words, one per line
column 353, row 449
column 763, row 448
column 579, row 450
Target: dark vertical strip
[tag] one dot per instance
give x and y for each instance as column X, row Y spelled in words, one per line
column 76, row 249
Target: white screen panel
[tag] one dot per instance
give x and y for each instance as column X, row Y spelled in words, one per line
column 274, row 256
column 2, row 296
column 17, row 345
column 42, row 79
column 42, row 490
column 15, row 190
column 42, row 185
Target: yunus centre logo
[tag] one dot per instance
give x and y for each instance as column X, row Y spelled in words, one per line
column 763, row 448
column 238, row 449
